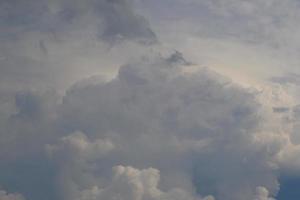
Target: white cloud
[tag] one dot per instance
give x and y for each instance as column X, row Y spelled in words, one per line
column 75, row 156
column 78, row 146
column 262, row 194
column 129, row 183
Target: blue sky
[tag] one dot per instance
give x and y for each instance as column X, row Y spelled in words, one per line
column 149, row 100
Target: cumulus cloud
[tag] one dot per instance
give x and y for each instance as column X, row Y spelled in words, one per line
column 75, row 155
column 78, row 145
column 286, row 90
column 262, row 194
column 129, row 183
column 205, row 134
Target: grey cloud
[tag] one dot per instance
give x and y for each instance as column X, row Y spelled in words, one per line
column 167, row 133
column 7, row 196
column 121, row 22
column 281, row 109
column 30, row 119
column 117, row 20
column 290, row 78
column 52, row 44
column 250, row 21
column 178, row 57
column 240, row 28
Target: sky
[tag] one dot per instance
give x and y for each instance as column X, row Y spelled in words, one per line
column 149, row 100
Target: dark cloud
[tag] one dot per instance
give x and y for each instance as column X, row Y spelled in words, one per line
column 122, row 22
column 178, row 57
column 116, row 20
column 281, row 109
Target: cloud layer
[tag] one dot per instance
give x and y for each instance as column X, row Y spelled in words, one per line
column 153, row 125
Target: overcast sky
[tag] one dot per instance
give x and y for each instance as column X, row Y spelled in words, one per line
column 149, row 100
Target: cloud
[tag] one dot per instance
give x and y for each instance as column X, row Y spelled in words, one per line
column 290, row 78
column 252, row 22
column 77, row 144
column 52, row 44
column 121, row 22
column 115, row 19
column 74, row 156
column 246, row 40
column 129, row 183
column 204, row 133
column 262, row 194
column 167, row 128
column 10, row 196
